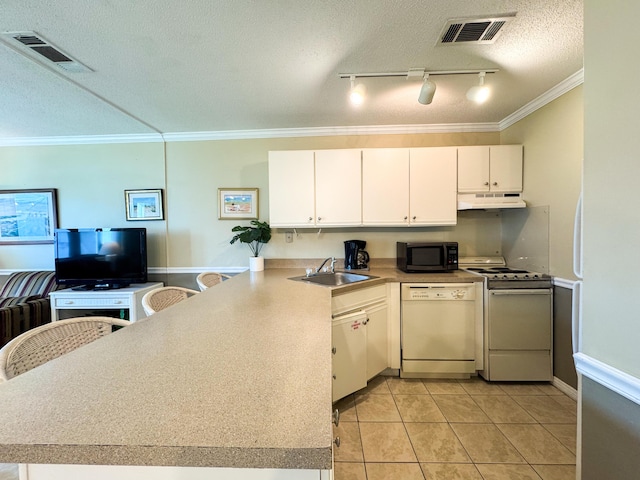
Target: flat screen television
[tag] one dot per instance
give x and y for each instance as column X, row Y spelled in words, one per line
column 100, row 258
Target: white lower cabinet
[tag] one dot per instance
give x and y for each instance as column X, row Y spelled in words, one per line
column 377, row 339
column 360, row 338
column 349, row 351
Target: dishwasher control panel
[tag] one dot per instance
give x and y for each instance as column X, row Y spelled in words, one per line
column 442, row 291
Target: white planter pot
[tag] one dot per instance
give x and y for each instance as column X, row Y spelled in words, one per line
column 256, row 264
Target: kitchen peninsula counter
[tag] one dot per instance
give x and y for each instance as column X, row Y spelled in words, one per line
column 236, row 376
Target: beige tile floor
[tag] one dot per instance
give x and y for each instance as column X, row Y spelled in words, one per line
column 455, row 430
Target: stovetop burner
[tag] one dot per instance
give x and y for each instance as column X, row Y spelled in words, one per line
column 498, row 270
column 498, row 275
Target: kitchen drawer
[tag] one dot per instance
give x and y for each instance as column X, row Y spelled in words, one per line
column 82, row 302
column 525, row 366
column 358, row 299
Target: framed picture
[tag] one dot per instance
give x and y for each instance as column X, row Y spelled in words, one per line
column 28, row 216
column 144, row 204
column 236, row 203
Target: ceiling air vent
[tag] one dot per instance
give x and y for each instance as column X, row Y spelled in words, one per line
column 476, row 30
column 37, row 48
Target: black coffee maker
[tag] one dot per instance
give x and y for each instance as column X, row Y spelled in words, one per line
column 355, row 258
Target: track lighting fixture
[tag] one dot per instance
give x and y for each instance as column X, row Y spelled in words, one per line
column 479, row 93
column 357, row 92
column 427, row 91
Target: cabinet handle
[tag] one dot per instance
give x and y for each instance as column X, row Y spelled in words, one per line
column 336, row 417
column 337, row 442
column 333, row 350
column 69, row 302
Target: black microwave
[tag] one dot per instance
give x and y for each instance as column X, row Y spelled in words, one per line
column 427, row 257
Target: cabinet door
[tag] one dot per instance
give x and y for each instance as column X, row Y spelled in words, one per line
column 338, row 187
column 473, row 169
column 349, row 361
column 432, row 186
column 385, row 186
column 505, row 168
column 377, row 339
column 291, row 188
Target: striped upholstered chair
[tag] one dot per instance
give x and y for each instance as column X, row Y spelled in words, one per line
column 24, row 302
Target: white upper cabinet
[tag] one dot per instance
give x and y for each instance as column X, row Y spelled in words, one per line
column 385, row 186
column 505, row 164
column 496, row 168
column 292, row 188
column 432, row 186
column 374, row 187
column 338, row 187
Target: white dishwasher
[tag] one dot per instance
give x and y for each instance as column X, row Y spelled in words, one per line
column 439, row 326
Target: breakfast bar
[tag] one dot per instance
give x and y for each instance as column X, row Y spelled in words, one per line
column 236, row 377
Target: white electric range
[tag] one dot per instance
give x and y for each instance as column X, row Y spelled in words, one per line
column 518, row 320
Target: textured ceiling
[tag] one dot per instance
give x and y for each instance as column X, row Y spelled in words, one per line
column 220, row 65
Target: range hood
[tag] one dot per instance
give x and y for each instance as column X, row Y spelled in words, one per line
column 471, row 201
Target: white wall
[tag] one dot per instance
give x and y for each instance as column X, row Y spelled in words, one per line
column 90, row 182
column 611, row 174
column 553, row 151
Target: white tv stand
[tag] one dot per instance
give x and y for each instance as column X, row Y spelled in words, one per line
column 129, row 298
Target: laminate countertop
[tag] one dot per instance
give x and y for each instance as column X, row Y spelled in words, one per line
column 236, row 376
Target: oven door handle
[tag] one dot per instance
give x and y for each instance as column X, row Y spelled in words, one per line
column 521, row 291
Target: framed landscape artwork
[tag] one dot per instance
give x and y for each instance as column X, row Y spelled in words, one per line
column 28, row 216
column 234, row 203
column 144, row 204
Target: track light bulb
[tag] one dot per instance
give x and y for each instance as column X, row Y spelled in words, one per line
column 427, row 91
column 479, row 93
column 357, row 92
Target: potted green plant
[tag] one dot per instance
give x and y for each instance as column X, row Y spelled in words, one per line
column 255, row 235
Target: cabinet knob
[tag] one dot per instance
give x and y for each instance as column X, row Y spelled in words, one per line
column 405, row 217
column 495, row 184
column 336, row 417
column 310, row 219
column 337, row 442
column 365, row 321
column 334, row 377
column 486, row 183
column 333, row 350
column 319, row 218
column 414, row 217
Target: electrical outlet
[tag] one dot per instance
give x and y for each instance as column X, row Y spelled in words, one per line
column 288, row 237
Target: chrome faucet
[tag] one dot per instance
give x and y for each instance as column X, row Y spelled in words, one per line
column 331, row 267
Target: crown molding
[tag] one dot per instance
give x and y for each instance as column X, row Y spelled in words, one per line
column 331, row 131
column 550, row 95
column 81, row 140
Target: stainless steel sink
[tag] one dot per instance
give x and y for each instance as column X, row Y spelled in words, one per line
column 333, row 279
